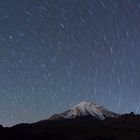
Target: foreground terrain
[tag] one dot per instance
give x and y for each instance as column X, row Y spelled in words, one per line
column 125, row 127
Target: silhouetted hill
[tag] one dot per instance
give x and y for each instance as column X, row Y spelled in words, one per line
column 125, row 127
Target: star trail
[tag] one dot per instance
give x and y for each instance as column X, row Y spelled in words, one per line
column 57, row 53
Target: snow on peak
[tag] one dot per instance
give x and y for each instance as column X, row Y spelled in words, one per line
column 86, row 109
column 84, row 104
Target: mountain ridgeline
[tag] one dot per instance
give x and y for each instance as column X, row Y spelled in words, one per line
column 85, row 109
column 85, row 121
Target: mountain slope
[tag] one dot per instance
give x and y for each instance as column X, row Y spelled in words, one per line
column 85, row 109
column 85, row 121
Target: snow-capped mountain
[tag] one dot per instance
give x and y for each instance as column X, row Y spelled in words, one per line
column 85, row 109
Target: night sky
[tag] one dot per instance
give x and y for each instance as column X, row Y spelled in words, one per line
column 57, row 53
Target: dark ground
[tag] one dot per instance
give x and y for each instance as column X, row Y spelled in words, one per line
column 126, row 127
